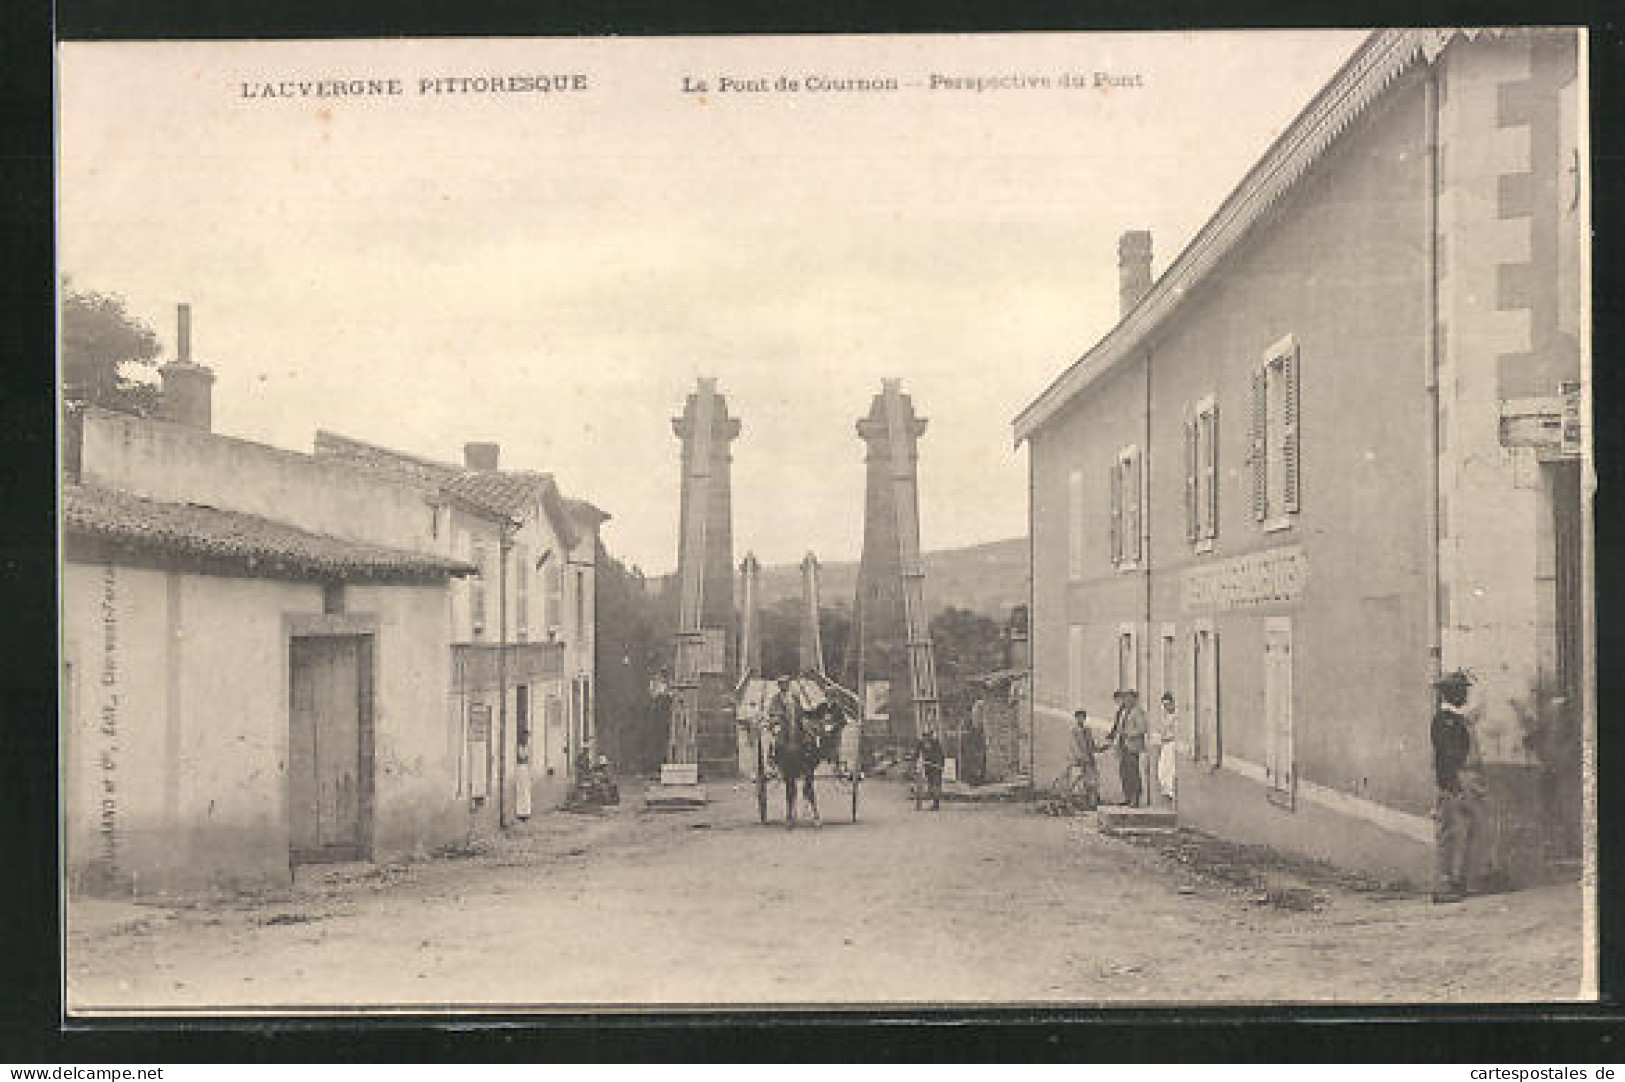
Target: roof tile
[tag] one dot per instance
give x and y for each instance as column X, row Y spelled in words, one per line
column 264, row 546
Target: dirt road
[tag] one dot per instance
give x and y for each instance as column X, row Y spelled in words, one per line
column 976, row 903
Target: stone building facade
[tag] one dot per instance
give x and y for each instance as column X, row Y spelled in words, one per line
column 1334, row 448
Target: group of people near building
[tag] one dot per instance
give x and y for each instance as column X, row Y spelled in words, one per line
column 1133, row 737
column 1458, row 815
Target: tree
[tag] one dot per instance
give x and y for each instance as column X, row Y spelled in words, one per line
column 631, row 644
column 780, row 624
column 103, row 348
column 967, row 644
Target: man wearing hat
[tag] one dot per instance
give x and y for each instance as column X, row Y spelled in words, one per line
column 1460, row 807
column 1128, row 737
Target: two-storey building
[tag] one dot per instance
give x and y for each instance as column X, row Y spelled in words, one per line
column 522, row 655
column 1334, row 447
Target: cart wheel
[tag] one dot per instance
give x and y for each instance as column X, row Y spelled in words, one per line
column 855, row 778
column 761, row 797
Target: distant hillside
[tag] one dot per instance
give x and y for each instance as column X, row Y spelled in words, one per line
column 987, row 578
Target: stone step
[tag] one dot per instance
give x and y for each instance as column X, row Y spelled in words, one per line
column 1138, row 820
column 658, row 795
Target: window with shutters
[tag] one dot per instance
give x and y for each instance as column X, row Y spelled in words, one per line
column 1202, row 475
column 1128, row 503
column 1273, row 444
column 1203, row 709
column 476, row 588
column 1279, row 767
column 1128, row 659
column 521, row 592
column 1074, row 518
column 554, row 577
column 581, row 609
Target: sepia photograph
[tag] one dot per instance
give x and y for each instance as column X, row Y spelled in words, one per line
column 825, row 523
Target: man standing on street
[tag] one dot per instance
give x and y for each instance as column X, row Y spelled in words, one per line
column 928, row 752
column 1460, row 808
column 1128, row 737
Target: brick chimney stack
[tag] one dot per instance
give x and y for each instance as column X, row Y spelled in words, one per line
column 188, row 388
column 1133, row 268
column 481, row 456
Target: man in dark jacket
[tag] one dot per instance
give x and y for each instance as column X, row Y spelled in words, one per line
column 929, row 753
column 1459, row 809
column 1128, row 737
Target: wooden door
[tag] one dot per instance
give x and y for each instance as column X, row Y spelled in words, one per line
column 1280, row 764
column 328, row 753
column 1204, row 704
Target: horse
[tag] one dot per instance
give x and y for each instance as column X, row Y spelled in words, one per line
column 801, row 742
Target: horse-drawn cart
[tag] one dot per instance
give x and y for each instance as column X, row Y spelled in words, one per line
column 821, row 739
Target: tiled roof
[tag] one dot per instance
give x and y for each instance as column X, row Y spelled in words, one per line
column 582, row 511
column 507, row 492
column 261, row 545
column 502, row 493
column 385, row 460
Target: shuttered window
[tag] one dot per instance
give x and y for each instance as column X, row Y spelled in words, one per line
column 477, row 588
column 1127, row 485
column 1279, row 765
column 1114, row 484
column 1131, row 503
column 1285, row 369
column 1257, row 444
column 1209, row 441
column 1193, row 522
column 1202, row 472
column 1128, row 659
column 555, row 594
column 1274, row 447
column 521, row 592
column 581, row 609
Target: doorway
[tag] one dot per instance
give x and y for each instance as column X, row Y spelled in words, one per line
column 330, row 729
column 1206, row 742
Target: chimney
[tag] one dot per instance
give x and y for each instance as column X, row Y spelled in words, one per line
column 481, row 456
column 188, row 388
column 1133, row 268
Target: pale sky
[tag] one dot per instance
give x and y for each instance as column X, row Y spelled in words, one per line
column 552, row 271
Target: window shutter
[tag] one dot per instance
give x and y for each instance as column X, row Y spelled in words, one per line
column 1211, row 469
column 1256, row 449
column 521, row 589
column 1289, row 434
column 1116, row 486
column 477, row 596
column 1192, row 526
column 1216, row 737
column 1136, row 493
column 1131, row 511
column 555, row 595
column 1272, row 737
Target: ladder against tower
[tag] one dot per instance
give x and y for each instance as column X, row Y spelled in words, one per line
column 700, row 740
column 889, row 656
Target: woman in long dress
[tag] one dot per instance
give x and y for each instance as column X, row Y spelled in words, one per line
column 1167, row 732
